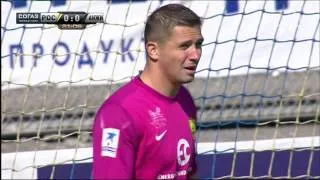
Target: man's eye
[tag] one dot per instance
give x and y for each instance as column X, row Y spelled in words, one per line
column 184, row 46
column 198, row 45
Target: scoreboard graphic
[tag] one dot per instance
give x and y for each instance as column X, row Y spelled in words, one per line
column 64, row 20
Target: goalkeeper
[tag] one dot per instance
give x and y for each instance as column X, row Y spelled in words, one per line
column 145, row 129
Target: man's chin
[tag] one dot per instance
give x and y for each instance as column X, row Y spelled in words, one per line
column 188, row 79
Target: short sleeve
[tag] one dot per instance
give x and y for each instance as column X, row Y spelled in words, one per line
column 114, row 143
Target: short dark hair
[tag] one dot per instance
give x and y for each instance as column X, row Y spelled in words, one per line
column 160, row 23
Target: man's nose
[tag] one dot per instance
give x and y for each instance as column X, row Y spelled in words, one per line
column 195, row 53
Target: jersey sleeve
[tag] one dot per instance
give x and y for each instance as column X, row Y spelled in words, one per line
column 114, row 143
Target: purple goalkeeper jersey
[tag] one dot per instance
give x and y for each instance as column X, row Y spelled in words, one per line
column 141, row 134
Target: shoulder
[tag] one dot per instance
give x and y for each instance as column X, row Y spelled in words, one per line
column 185, row 93
column 185, row 90
column 112, row 113
column 123, row 103
column 186, row 101
column 114, row 104
column 122, row 94
column 126, row 96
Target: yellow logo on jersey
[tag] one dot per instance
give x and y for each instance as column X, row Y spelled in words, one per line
column 193, row 127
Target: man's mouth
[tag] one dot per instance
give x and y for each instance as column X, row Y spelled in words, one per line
column 191, row 68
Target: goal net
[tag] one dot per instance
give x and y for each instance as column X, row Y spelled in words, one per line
column 256, row 89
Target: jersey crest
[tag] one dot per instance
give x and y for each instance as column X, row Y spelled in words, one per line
column 193, row 127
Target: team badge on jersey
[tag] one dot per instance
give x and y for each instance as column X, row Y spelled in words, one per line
column 193, row 127
column 182, row 152
column 110, row 141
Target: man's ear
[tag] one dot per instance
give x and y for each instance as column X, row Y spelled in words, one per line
column 153, row 50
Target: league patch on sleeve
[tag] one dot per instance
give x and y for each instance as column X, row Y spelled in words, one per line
column 110, row 142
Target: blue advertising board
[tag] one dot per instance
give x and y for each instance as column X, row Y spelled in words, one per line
column 303, row 162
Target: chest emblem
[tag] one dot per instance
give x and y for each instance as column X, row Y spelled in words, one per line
column 158, row 119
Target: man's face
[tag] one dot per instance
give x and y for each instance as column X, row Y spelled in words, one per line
column 180, row 54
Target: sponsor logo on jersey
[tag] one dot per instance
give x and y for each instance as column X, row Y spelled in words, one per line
column 172, row 175
column 160, row 136
column 183, row 152
column 110, row 141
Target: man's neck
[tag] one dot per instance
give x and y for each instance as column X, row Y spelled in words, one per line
column 159, row 83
